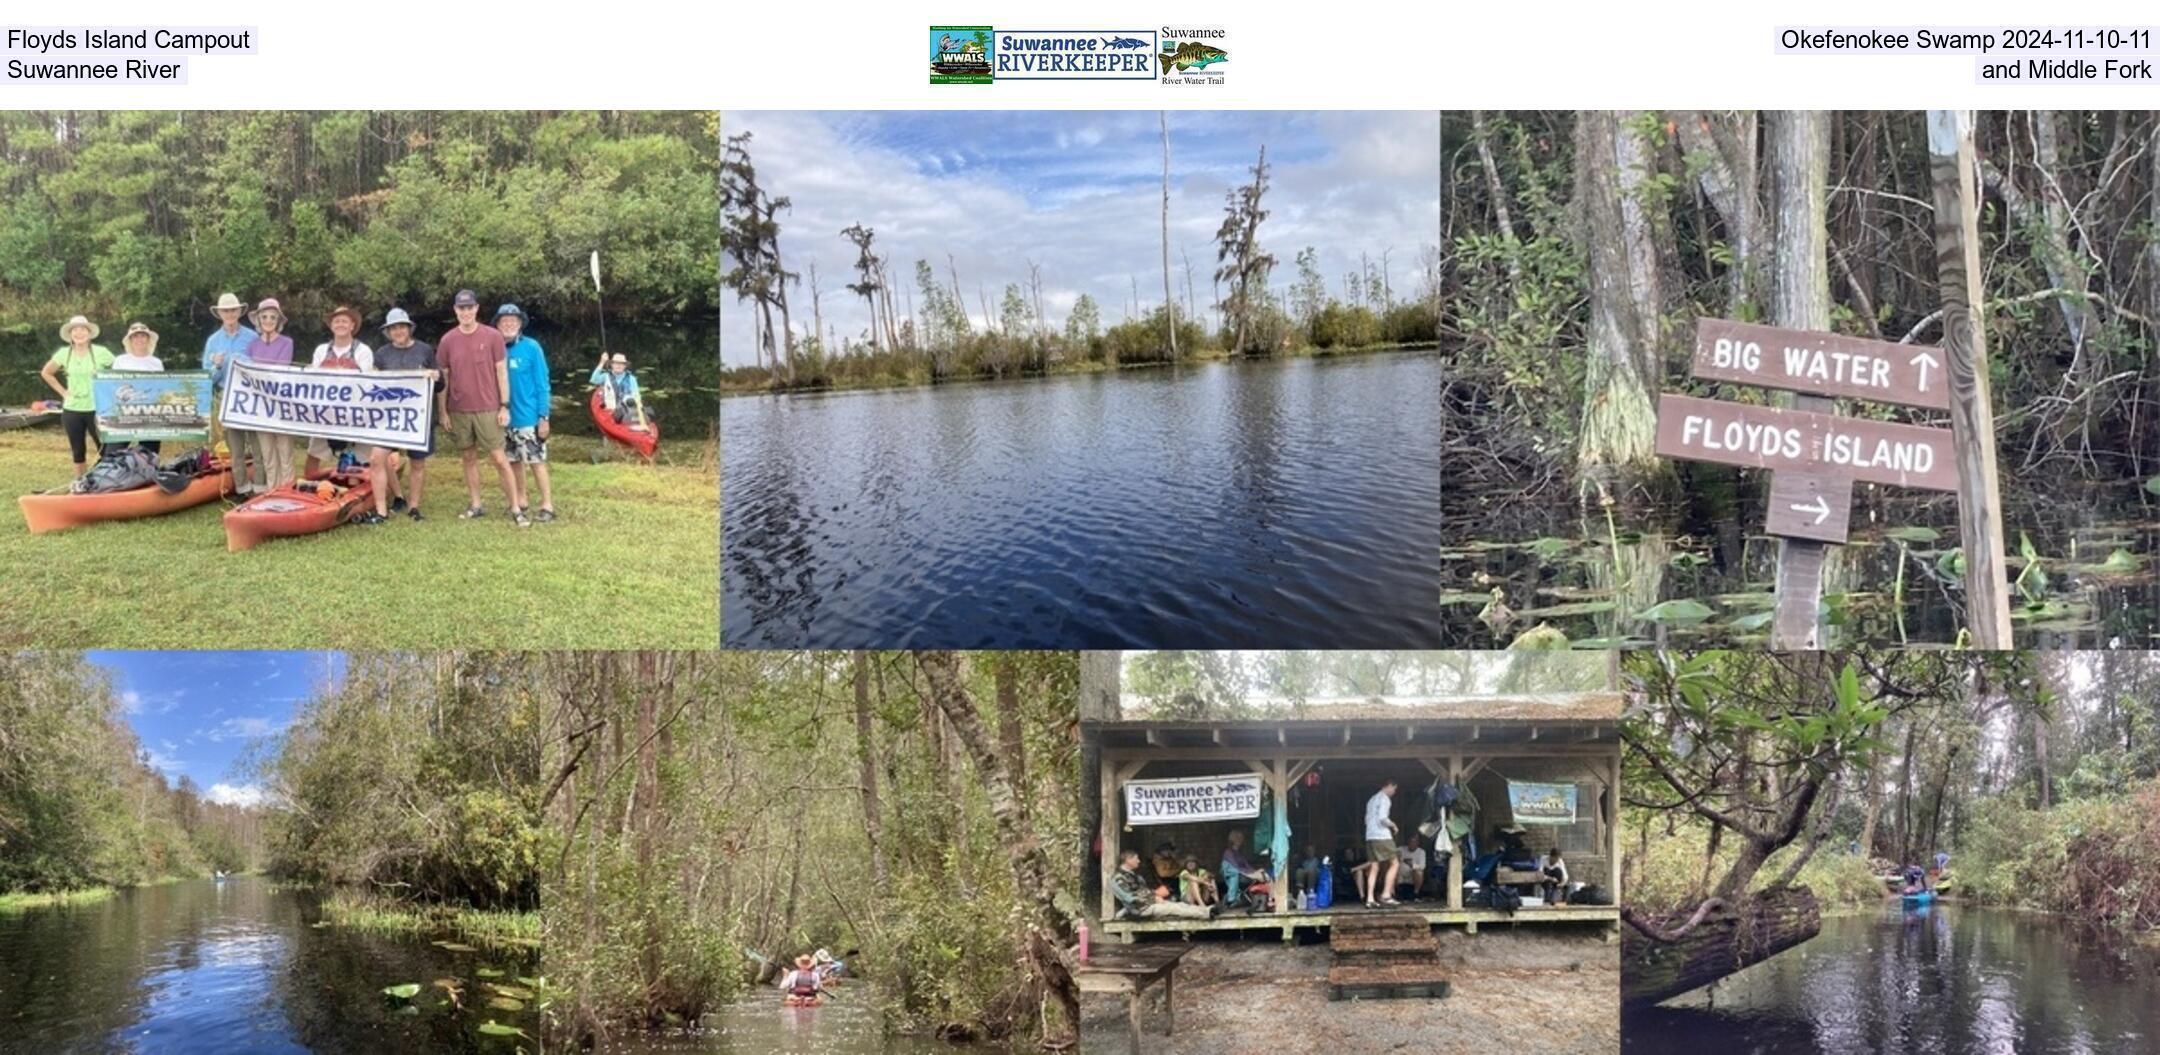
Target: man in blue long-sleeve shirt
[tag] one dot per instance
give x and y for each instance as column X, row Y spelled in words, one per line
column 530, row 398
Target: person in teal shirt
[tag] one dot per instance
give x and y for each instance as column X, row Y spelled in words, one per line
column 530, row 398
column 613, row 375
column 80, row 361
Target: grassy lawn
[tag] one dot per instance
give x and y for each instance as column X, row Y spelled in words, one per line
column 633, row 562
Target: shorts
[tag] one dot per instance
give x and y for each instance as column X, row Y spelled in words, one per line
column 474, row 430
column 1382, row 850
column 323, row 450
column 525, row 446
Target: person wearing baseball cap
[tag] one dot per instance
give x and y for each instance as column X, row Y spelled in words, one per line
column 476, row 402
column 530, row 398
column 403, row 353
column 226, row 343
column 80, row 360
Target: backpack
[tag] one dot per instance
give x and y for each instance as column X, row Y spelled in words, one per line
column 1590, row 894
column 1501, row 899
column 123, row 470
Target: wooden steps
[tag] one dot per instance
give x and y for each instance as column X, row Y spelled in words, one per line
column 1384, row 956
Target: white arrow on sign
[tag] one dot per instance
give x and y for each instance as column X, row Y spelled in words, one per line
column 1925, row 361
column 1820, row 507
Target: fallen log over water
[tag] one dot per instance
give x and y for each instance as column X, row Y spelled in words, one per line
column 1720, row 941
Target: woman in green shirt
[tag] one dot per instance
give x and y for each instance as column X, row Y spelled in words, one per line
column 80, row 361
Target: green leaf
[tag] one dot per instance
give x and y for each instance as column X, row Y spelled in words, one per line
column 1913, row 533
column 402, row 992
column 496, row 1029
column 1682, row 611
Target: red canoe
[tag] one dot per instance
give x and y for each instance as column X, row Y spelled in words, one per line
column 58, row 510
column 301, row 508
column 644, row 441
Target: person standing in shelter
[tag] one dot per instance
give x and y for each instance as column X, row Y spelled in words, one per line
column 225, row 344
column 1380, row 842
column 343, row 351
column 525, row 363
column 476, row 402
column 262, row 461
column 403, row 353
column 78, row 360
column 139, row 355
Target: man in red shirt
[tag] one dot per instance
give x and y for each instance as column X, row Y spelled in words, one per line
column 476, row 402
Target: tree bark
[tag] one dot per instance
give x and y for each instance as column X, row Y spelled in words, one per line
column 1617, row 444
column 1800, row 300
column 866, row 769
column 1727, row 939
column 1169, row 298
column 1048, row 929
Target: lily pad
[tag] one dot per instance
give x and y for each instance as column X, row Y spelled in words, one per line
column 402, row 992
column 1753, row 621
column 512, row 991
column 2153, row 485
column 506, row 1003
column 1680, row 611
column 1561, row 610
column 496, row 1029
column 1913, row 533
column 488, row 972
column 455, row 946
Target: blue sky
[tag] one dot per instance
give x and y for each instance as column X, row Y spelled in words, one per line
column 1080, row 193
column 197, row 713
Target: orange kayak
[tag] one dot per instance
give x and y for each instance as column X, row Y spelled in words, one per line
column 644, row 441
column 301, row 508
column 59, row 510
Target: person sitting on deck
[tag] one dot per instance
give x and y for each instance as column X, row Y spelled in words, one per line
column 1556, row 879
column 1136, row 898
column 1196, row 885
column 1166, row 863
column 1413, row 864
column 1242, row 880
column 1308, row 870
column 802, row 985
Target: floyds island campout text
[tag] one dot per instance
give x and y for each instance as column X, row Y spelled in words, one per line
column 144, row 48
column 1204, row 798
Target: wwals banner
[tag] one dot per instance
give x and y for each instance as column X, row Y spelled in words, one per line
column 389, row 408
column 137, row 405
column 1192, row 799
column 1541, row 803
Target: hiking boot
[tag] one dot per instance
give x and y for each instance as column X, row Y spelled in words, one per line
column 545, row 516
column 472, row 513
column 397, row 505
column 414, row 513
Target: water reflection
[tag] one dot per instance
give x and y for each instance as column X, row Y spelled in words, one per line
column 1948, row 980
column 1262, row 503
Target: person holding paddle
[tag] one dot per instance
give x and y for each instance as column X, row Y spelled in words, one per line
column 614, row 378
column 80, row 361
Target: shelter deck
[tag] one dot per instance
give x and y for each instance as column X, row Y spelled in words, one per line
column 1435, row 914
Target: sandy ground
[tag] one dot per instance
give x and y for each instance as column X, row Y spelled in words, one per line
column 1553, row 990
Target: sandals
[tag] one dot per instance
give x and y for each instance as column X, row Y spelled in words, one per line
column 472, row 513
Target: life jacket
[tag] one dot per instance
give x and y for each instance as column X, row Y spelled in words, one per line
column 803, row 983
column 333, row 361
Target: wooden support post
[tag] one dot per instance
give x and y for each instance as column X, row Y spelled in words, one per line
column 1612, row 830
column 1952, row 171
column 1799, row 149
column 1454, row 857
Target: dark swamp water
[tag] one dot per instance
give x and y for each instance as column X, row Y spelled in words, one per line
column 1699, row 573
column 1949, row 980
column 211, row 968
column 235, row 966
column 676, row 363
column 1289, row 503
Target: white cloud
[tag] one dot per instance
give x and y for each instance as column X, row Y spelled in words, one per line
column 235, row 794
column 164, row 763
column 131, row 702
column 243, row 729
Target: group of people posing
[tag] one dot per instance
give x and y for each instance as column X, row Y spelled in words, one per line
column 492, row 398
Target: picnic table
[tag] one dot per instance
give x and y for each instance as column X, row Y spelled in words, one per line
column 1131, row 969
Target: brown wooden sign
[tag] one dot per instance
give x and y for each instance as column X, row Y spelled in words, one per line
column 1826, row 364
column 1707, row 430
column 1810, row 505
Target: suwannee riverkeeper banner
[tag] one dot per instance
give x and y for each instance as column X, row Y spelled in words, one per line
column 389, row 408
column 1183, row 799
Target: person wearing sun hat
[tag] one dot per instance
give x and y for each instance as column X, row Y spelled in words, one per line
column 226, row 343
column 402, row 352
column 343, row 351
column 530, row 400
column 79, row 360
column 139, row 355
column 263, row 460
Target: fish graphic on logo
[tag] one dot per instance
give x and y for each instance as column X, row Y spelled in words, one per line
column 1125, row 43
column 379, row 393
column 1192, row 55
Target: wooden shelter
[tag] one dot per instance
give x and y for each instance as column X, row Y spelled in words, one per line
column 1321, row 761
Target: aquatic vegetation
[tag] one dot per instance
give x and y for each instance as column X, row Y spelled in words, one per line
column 1541, row 637
column 1677, row 612
column 402, row 992
column 496, row 1029
column 19, row 902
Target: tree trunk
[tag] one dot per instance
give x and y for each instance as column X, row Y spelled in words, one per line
column 1800, row 300
column 1904, row 798
column 1048, row 929
column 1723, row 943
column 1169, row 299
column 1503, row 219
column 866, row 769
column 1617, row 444
column 1874, row 807
column 1099, row 693
column 1010, row 741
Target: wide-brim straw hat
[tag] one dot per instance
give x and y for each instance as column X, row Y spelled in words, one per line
column 347, row 311
column 137, row 327
column 227, row 302
column 78, row 320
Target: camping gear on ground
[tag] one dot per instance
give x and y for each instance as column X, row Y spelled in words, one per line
column 644, row 441
column 1323, row 894
column 192, row 481
column 302, row 507
column 1590, row 894
column 124, row 469
column 1497, row 898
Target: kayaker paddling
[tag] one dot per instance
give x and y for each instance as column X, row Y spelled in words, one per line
column 803, row 986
